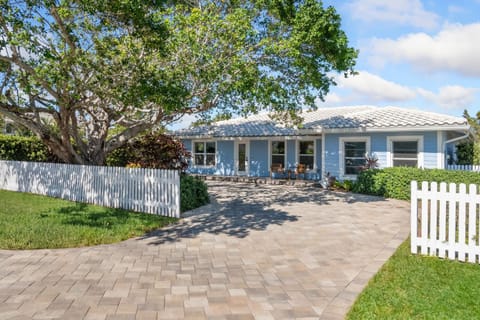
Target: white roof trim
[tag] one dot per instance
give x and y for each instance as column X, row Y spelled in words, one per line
column 397, row 129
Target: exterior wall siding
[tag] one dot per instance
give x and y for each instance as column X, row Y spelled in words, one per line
column 259, row 153
column 331, row 154
column 430, row 150
column 378, row 146
column 259, row 158
column 318, row 154
column 225, row 165
column 291, row 153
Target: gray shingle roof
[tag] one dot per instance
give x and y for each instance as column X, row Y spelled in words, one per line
column 329, row 119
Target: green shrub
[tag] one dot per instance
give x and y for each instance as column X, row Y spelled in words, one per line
column 23, row 149
column 193, row 193
column 344, row 185
column 348, row 185
column 395, row 182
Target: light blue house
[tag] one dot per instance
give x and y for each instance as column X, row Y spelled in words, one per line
column 333, row 140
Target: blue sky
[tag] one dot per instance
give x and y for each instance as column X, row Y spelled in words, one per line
column 421, row 54
column 413, row 53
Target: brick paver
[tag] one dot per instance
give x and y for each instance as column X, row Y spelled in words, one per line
column 256, row 252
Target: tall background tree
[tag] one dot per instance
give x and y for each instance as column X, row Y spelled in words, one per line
column 468, row 152
column 71, row 71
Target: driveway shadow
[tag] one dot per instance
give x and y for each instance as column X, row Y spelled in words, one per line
column 237, row 208
column 235, row 218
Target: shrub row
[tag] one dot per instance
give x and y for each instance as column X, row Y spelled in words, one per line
column 23, row 149
column 395, row 182
column 193, row 193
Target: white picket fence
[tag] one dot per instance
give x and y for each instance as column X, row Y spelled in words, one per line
column 444, row 222
column 463, row 167
column 143, row 190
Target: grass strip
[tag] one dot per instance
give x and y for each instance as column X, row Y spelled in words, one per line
column 30, row 221
column 419, row 287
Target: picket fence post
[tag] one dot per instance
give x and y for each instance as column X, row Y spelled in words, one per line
column 448, row 224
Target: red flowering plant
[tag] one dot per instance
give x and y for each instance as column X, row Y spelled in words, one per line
column 152, row 150
column 371, row 161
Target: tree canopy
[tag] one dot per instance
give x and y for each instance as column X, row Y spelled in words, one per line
column 468, row 152
column 72, row 70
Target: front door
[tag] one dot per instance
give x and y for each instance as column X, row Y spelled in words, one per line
column 242, row 158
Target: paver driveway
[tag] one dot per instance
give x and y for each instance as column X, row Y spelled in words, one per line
column 265, row 252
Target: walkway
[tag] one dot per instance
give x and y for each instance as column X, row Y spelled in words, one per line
column 256, row 252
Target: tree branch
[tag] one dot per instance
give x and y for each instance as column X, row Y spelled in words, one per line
column 63, row 30
column 121, row 138
column 22, row 65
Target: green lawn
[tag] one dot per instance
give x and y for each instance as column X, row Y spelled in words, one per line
column 31, row 222
column 419, row 287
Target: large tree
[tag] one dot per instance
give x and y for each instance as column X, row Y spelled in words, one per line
column 70, row 71
column 468, row 152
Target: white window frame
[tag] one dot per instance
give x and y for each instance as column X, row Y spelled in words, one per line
column 418, row 139
column 314, row 151
column 204, row 153
column 342, row 154
column 270, row 152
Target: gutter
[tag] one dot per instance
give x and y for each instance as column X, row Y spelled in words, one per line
column 467, row 135
column 469, row 132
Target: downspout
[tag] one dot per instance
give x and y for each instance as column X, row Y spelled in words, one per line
column 469, row 132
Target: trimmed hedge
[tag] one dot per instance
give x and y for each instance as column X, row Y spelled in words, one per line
column 395, row 182
column 20, row 148
column 193, row 193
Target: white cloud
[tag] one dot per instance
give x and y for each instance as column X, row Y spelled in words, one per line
column 403, row 12
column 333, row 98
column 376, row 88
column 451, row 97
column 456, row 9
column 455, row 48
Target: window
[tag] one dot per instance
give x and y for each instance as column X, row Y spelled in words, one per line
column 204, row 153
column 278, row 152
column 405, row 153
column 306, row 150
column 352, row 155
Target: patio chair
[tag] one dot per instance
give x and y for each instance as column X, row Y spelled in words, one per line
column 300, row 173
column 277, row 172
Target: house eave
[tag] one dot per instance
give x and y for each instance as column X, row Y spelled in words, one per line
column 188, row 137
column 421, row 128
column 320, row 131
column 399, row 129
column 303, row 133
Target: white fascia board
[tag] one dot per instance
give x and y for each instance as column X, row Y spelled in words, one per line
column 345, row 130
column 193, row 137
column 314, row 131
column 249, row 137
column 420, row 129
column 399, row 129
